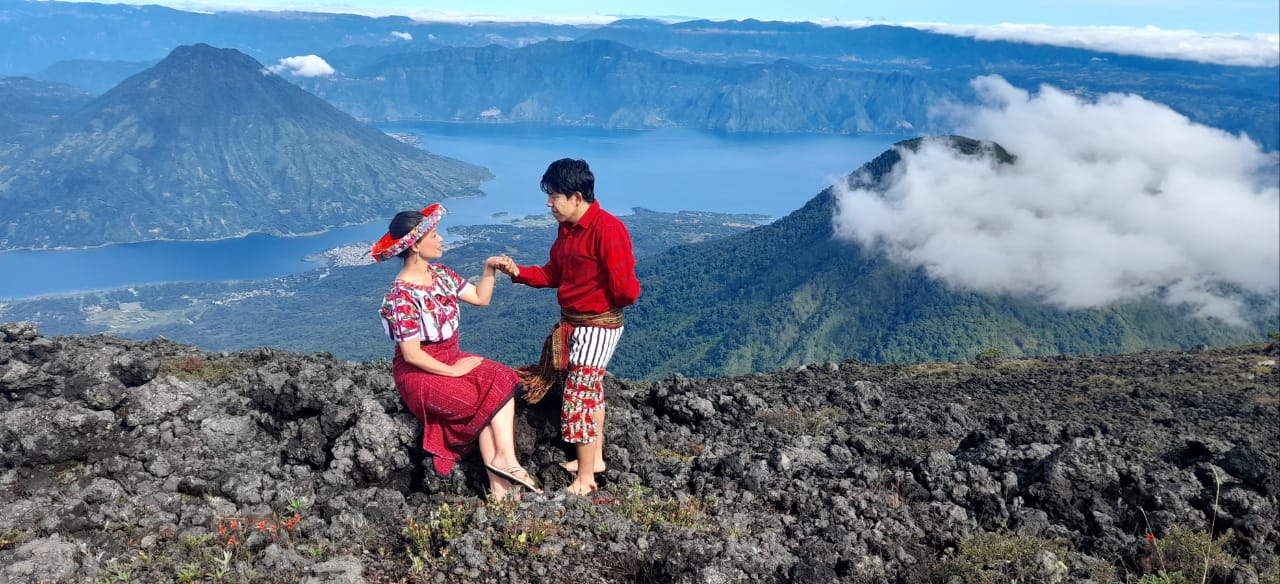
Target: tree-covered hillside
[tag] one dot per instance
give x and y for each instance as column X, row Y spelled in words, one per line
column 789, row 293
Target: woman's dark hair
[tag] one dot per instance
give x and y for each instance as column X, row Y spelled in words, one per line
column 567, row 176
column 402, row 224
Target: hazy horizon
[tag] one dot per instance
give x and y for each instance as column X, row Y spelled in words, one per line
column 1242, row 32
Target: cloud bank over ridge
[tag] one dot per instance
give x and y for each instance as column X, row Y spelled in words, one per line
column 1251, row 50
column 1111, row 200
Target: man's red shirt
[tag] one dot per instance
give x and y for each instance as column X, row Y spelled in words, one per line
column 591, row 264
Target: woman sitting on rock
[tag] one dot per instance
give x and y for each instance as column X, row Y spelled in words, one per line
column 458, row 397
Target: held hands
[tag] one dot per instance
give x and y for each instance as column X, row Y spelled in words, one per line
column 503, row 264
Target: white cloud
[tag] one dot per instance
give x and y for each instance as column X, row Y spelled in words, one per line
column 1111, row 200
column 302, row 66
column 1255, row 50
column 404, row 36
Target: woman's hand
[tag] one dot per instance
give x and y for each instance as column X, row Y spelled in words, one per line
column 464, row 366
column 503, row 264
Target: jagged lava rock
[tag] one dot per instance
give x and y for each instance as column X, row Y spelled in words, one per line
column 150, row 456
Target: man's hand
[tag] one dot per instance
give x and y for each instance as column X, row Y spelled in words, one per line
column 503, row 264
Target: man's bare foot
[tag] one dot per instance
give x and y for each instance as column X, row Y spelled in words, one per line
column 581, row 488
column 572, row 466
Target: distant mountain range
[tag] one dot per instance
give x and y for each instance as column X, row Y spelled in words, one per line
column 750, row 76
column 205, row 145
column 604, row 83
column 37, row 34
column 892, row 89
column 93, row 76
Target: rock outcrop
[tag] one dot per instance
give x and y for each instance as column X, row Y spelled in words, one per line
column 156, row 462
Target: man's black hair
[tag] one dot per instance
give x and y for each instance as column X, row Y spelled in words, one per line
column 567, row 176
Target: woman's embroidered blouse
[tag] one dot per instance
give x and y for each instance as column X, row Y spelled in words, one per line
column 425, row 313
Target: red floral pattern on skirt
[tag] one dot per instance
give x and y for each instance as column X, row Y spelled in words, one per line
column 453, row 410
column 583, row 393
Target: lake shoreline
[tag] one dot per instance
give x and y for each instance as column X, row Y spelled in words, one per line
column 660, row 170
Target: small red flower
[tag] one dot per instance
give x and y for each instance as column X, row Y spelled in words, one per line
column 231, row 541
column 1151, row 537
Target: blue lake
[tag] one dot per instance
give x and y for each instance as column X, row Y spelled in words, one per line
column 663, row 170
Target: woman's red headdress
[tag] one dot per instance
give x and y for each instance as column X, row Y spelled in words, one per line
column 388, row 247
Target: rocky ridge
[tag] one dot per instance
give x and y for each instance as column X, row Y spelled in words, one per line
column 153, row 461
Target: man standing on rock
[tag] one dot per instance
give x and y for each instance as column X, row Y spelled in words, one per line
column 593, row 269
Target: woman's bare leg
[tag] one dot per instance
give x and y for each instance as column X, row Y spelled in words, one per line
column 499, row 487
column 497, row 448
column 502, row 432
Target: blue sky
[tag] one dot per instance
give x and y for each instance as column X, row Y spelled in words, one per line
column 1208, row 16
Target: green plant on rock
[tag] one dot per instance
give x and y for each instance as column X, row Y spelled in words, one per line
column 795, row 422
column 189, row 573
column 222, row 566
column 993, row 558
column 682, row 453
column 1185, row 555
column 428, row 540
column 298, row 504
column 1162, row 578
column 647, row 511
column 139, row 566
column 196, row 542
column 990, row 353
column 13, row 538
column 1182, row 553
column 525, row 537
column 199, row 368
column 504, row 509
column 118, row 572
column 670, row 454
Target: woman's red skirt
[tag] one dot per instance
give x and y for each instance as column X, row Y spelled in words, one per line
column 453, row 410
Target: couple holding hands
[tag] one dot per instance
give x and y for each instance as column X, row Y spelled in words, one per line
column 463, row 399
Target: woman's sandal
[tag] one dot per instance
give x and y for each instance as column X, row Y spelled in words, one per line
column 510, row 474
